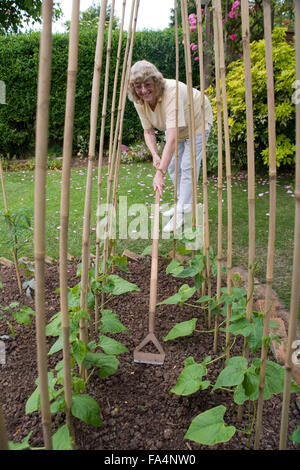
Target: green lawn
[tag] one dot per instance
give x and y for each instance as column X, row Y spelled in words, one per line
column 135, row 183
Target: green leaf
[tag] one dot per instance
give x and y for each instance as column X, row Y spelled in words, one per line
column 54, row 326
column 184, row 293
column 233, row 374
column 248, row 389
column 110, row 322
column 190, row 379
column 205, row 298
column 23, row 315
column 111, row 346
column 33, row 403
column 196, row 266
column 255, row 337
column 84, row 407
column 209, row 428
column 174, row 267
column 108, row 364
column 147, row 250
column 184, row 328
column 61, row 439
column 21, row 445
column 274, row 381
column 115, row 285
column 295, row 437
column 78, row 351
column 57, row 346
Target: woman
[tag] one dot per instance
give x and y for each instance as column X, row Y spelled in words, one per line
column 154, row 98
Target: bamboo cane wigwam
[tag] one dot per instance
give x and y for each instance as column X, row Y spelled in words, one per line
column 139, row 355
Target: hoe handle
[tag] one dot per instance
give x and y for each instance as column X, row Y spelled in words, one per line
column 154, row 265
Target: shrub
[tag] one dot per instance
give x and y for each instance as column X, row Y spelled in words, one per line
column 139, row 152
column 284, row 77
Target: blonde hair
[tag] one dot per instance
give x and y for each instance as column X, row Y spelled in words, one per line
column 140, row 72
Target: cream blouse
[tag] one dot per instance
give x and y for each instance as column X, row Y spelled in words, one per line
column 164, row 115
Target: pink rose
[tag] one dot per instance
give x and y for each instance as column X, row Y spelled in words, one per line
column 232, row 37
column 235, row 5
column 232, row 14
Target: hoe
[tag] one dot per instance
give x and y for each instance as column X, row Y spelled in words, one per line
column 139, row 355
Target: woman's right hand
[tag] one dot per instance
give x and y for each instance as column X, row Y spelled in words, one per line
column 158, row 182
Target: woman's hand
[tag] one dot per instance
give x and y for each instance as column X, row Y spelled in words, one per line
column 158, row 182
column 156, row 161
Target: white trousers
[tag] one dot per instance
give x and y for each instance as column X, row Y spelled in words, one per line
column 184, row 180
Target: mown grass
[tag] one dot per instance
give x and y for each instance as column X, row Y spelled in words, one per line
column 135, row 184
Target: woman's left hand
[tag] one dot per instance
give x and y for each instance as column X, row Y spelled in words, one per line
column 156, row 161
column 158, row 182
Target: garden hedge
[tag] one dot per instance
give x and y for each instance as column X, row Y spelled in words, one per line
column 19, row 57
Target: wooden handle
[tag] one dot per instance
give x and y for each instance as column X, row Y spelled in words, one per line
column 154, row 264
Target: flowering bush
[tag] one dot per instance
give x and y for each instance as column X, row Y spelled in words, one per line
column 284, row 77
column 283, row 15
column 138, row 152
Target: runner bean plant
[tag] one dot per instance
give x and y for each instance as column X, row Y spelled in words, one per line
column 97, row 355
column 240, row 375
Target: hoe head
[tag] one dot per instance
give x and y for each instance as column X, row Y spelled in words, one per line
column 149, row 357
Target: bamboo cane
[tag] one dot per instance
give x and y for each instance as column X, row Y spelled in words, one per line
column 228, row 163
column 117, row 160
column 272, row 219
column 250, row 152
column 251, row 166
column 176, row 124
column 39, row 212
column 91, row 158
column 204, row 160
column 295, row 293
column 192, row 137
column 220, row 170
column 124, row 96
column 14, row 250
column 121, row 107
column 3, row 433
column 64, row 205
column 101, row 145
column 113, row 103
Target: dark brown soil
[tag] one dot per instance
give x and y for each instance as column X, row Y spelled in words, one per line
column 138, row 410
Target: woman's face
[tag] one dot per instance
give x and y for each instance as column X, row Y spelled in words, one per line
column 146, row 90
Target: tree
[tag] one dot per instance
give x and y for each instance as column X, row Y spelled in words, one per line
column 90, row 17
column 15, row 15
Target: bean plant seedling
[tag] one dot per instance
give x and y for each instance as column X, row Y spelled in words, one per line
column 240, row 375
column 21, row 315
column 99, row 354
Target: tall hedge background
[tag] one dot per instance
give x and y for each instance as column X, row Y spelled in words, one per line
column 19, row 56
